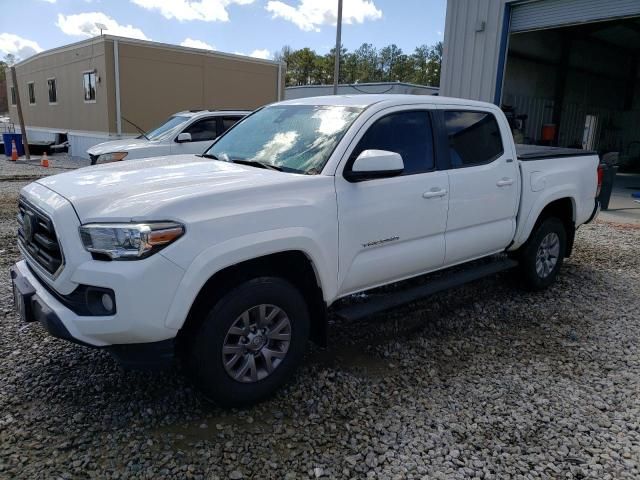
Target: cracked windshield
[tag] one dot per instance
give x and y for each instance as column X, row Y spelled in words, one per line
column 291, row 138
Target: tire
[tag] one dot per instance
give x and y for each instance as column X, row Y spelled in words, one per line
column 542, row 256
column 266, row 355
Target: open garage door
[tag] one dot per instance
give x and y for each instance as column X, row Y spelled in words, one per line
column 577, row 85
column 541, row 14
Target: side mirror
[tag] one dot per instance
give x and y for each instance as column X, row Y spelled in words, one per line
column 372, row 164
column 183, row 137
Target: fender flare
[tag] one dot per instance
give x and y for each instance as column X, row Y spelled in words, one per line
column 558, row 192
column 249, row 247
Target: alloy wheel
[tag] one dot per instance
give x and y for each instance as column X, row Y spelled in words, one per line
column 256, row 343
column 547, row 255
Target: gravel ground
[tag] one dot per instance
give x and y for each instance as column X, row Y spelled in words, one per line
column 485, row 381
column 22, row 168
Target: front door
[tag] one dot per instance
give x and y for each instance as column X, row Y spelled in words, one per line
column 392, row 228
column 484, row 185
column 203, row 133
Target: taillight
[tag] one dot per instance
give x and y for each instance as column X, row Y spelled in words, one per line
column 600, row 176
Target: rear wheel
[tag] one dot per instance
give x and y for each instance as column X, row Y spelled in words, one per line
column 543, row 254
column 251, row 342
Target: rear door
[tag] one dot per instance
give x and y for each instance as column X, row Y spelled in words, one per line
column 392, row 228
column 203, row 133
column 484, row 183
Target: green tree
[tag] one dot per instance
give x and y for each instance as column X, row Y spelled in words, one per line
column 284, row 55
column 365, row 64
column 349, row 68
column 420, row 64
column 302, row 66
column 390, row 59
column 330, row 65
column 366, row 60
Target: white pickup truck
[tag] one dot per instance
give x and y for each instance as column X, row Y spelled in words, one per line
column 230, row 260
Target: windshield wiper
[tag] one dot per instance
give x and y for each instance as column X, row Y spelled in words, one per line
column 208, row 155
column 142, row 132
column 259, row 164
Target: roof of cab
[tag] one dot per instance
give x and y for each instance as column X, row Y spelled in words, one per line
column 366, row 100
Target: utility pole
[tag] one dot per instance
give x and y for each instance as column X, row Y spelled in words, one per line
column 336, row 71
column 23, row 130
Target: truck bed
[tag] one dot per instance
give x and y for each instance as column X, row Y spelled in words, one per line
column 539, row 152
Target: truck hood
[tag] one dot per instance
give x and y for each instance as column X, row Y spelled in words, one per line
column 124, row 145
column 148, row 189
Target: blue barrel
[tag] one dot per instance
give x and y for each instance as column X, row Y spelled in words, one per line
column 7, row 138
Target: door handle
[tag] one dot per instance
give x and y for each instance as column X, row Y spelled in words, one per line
column 505, row 182
column 434, row 193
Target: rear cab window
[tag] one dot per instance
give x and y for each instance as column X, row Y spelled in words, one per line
column 474, row 138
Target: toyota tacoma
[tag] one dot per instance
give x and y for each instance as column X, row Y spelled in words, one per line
column 230, row 260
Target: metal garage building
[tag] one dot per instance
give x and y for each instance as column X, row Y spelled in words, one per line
column 569, row 69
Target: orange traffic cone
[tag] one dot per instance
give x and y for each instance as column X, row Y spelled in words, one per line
column 44, row 162
column 14, row 151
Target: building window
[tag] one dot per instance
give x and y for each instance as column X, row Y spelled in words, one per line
column 31, row 89
column 13, row 95
column 53, row 93
column 89, row 82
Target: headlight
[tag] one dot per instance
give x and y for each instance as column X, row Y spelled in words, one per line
column 129, row 241
column 111, row 157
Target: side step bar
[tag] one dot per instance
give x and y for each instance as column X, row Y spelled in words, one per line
column 392, row 300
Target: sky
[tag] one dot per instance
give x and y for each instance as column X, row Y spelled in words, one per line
column 250, row 27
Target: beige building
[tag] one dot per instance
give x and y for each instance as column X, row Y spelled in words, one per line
column 86, row 90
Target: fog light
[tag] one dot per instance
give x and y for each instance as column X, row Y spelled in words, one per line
column 100, row 301
column 107, row 302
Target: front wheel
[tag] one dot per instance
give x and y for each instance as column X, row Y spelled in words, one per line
column 543, row 254
column 251, row 342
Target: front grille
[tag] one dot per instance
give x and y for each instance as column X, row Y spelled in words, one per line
column 37, row 236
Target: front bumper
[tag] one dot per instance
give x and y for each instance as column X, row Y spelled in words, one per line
column 135, row 340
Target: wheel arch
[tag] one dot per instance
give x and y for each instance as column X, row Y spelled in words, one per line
column 294, row 266
column 563, row 208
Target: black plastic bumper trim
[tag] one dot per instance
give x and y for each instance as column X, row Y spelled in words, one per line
column 144, row 356
column 51, row 322
column 78, row 300
column 135, row 356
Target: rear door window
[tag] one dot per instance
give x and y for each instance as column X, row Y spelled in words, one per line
column 227, row 122
column 474, row 138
